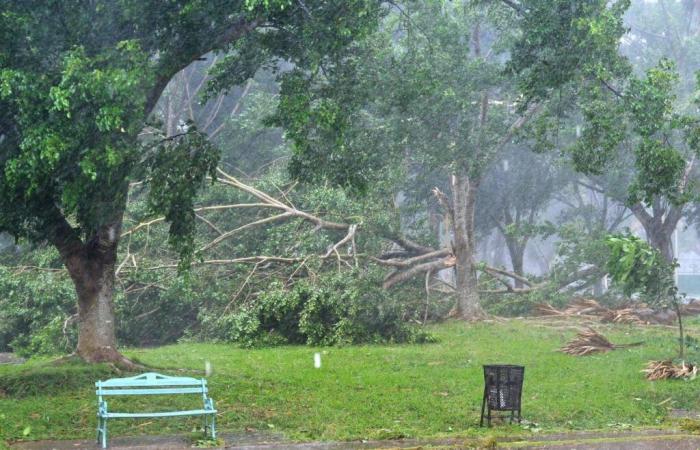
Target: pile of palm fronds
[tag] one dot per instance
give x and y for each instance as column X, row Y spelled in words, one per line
column 545, row 309
column 624, row 315
column 585, row 307
column 662, row 370
column 590, row 341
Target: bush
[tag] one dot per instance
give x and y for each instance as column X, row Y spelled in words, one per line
column 340, row 308
column 33, row 308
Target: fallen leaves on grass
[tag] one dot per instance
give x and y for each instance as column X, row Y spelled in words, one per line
column 663, row 370
column 590, row 341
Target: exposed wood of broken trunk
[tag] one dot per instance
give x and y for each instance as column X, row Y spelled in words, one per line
column 464, row 191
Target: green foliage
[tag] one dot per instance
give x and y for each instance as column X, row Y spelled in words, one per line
column 33, row 309
column 642, row 123
column 178, row 171
column 341, row 308
column 75, row 138
column 640, row 268
column 565, row 43
column 78, row 82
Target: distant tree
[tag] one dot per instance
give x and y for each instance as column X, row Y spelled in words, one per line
column 449, row 86
column 78, row 82
column 513, row 198
column 639, row 124
column 642, row 123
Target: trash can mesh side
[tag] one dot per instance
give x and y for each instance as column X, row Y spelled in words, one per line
column 504, row 385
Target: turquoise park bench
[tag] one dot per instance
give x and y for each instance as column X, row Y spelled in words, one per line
column 152, row 384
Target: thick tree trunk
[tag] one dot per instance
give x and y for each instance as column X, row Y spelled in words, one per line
column 464, row 191
column 91, row 266
column 94, row 285
column 661, row 239
column 659, row 225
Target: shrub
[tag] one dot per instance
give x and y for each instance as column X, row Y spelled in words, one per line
column 33, row 309
column 340, row 308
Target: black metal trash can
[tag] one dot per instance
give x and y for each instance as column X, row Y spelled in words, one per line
column 503, row 387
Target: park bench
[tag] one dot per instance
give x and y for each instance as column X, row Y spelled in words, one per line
column 152, row 384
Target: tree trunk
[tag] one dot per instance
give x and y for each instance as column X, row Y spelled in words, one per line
column 659, row 230
column 94, row 284
column 661, row 239
column 464, row 191
column 516, row 251
column 91, row 266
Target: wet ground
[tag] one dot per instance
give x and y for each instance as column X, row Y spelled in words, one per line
column 638, row 440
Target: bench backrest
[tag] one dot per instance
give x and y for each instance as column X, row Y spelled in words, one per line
column 151, row 384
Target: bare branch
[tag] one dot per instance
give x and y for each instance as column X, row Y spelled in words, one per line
column 515, row 276
column 230, row 233
column 398, row 277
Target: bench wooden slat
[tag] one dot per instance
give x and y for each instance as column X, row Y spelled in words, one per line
column 154, row 391
column 115, row 382
column 151, row 379
column 194, row 412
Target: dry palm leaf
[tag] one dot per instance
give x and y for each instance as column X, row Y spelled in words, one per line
column 590, row 341
column 626, row 315
column 585, row 306
column 662, row 370
column 545, row 309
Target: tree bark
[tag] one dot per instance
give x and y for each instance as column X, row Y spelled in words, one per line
column 659, row 229
column 661, row 239
column 464, row 191
column 516, row 250
column 93, row 277
column 91, row 266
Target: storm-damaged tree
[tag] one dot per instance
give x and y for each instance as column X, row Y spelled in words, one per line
column 78, row 81
column 638, row 126
column 513, row 198
column 643, row 122
column 451, row 84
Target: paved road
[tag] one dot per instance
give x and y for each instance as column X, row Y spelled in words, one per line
column 639, row 440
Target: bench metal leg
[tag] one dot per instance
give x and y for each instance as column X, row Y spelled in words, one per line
column 210, row 425
column 102, row 432
column 483, row 406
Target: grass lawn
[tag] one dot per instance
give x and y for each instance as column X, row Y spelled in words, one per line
column 373, row 392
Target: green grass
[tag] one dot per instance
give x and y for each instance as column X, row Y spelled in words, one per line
column 372, row 392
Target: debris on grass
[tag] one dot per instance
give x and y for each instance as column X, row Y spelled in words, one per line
column 633, row 313
column 624, row 315
column 690, row 426
column 666, row 369
column 590, row 341
column 585, row 307
column 545, row 309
